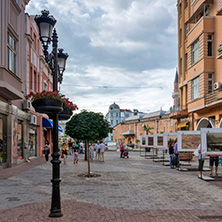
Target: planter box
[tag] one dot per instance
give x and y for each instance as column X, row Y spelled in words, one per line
column 48, row 106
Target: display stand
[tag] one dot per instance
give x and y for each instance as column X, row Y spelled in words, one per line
column 149, row 156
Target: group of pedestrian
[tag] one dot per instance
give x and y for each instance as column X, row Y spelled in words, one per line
column 174, row 154
column 97, row 151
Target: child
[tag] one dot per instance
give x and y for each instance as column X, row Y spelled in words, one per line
column 76, row 157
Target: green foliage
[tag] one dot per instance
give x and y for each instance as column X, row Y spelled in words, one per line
column 137, row 141
column 88, row 126
column 147, row 128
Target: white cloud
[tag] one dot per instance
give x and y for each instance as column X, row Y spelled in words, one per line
column 118, row 44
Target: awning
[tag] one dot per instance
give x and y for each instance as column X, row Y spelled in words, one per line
column 49, row 123
column 181, row 125
column 128, row 133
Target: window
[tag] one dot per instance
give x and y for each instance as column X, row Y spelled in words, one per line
column 186, row 61
column 210, row 45
column 195, row 51
column 210, row 82
column 186, row 3
column 116, row 122
column 187, row 28
column 45, row 86
column 111, row 122
column 196, row 88
column 11, row 53
column 116, row 114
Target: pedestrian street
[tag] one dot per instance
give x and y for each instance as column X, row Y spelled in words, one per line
column 125, row 184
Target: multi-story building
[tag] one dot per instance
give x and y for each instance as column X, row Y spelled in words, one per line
column 199, row 56
column 13, row 120
column 130, row 130
column 39, row 78
column 116, row 115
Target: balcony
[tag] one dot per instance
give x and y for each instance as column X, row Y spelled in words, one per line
column 219, row 7
column 204, row 24
column 219, row 50
column 213, row 97
column 178, row 112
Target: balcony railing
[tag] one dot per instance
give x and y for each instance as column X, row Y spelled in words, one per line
column 213, row 97
column 178, row 111
column 219, row 7
column 219, row 50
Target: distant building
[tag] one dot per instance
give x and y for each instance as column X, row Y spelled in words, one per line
column 116, row 115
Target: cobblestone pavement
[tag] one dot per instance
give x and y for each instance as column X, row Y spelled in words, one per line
column 134, row 189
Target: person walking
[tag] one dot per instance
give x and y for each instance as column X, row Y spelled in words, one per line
column 97, row 150
column 46, row 151
column 65, row 150
column 91, row 152
column 102, row 151
column 121, row 150
column 176, row 154
column 81, row 146
column 201, row 158
column 70, row 147
column 214, row 158
column 76, row 157
column 171, row 153
column 74, row 147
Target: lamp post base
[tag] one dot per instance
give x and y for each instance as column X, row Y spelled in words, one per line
column 56, row 213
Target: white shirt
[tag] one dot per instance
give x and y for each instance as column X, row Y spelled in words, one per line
column 97, row 146
column 102, row 147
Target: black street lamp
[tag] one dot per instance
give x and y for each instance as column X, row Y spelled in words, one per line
column 57, row 63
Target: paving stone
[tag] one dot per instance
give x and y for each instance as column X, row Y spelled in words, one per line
column 134, row 189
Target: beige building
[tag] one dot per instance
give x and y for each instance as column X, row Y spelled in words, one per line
column 13, row 120
column 199, row 56
column 130, row 130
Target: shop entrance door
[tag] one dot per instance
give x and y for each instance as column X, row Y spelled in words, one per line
column 3, row 140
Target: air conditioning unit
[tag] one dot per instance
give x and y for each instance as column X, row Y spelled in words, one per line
column 26, row 105
column 33, row 120
column 217, row 85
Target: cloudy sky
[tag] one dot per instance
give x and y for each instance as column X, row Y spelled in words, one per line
column 122, row 51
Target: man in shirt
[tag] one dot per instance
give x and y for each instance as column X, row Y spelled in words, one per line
column 102, row 150
column 97, row 149
column 176, row 153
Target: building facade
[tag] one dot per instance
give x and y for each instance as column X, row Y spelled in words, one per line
column 38, row 78
column 130, row 130
column 199, row 56
column 13, row 120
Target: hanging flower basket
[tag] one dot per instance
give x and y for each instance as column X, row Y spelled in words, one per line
column 65, row 114
column 47, row 105
column 50, row 102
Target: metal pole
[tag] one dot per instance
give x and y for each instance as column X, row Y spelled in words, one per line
column 55, row 202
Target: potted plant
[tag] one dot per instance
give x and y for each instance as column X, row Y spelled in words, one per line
column 68, row 107
column 47, row 101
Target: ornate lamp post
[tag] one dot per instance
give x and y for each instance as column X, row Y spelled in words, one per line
column 57, row 63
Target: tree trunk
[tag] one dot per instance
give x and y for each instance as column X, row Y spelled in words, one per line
column 88, row 157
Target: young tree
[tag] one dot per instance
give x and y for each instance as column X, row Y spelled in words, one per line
column 147, row 128
column 88, row 126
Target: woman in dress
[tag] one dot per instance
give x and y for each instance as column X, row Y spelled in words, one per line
column 91, row 152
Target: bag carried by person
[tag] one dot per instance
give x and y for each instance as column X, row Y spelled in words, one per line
column 174, row 161
column 62, row 156
column 43, row 151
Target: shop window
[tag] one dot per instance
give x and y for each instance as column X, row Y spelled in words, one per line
column 11, row 53
column 3, row 140
column 196, row 88
column 195, row 52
